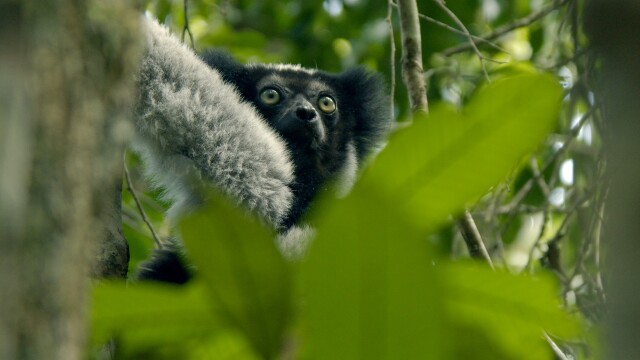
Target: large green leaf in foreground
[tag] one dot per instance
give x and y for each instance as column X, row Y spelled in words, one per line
column 372, row 290
column 369, row 284
column 509, row 313
column 247, row 277
column 147, row 315
column 449, row 159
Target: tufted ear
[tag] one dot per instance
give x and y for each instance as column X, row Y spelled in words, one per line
column 230, row 70
column 367, row 99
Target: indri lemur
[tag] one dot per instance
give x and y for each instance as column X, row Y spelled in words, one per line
column 267, row 135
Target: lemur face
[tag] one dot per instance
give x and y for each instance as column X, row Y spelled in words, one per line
column 303, row 109
column 329, row 122
column 320, row 115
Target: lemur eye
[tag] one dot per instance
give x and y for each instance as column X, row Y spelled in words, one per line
column 270, row 96
column 327, row 104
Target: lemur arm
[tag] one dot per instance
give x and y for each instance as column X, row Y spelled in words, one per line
column 193, row 127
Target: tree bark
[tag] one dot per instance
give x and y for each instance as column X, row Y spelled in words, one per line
column 67, row 79
column 612, row 26
column 412, row 71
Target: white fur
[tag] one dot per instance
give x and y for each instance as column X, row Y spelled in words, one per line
column 285, row 67
column 348, row 173
column 295, row 241
column 193, row 130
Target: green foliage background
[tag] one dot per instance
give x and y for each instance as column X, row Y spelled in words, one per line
column 385, row 277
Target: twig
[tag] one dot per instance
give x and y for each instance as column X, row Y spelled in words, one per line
column 556, row 349
column 186, row 28
column 524, row 190
column 459, row 32
column 584, row 247
column 522, row 22
column 541, row 233
column 561, row 229
column 575, row 130
column 538, row 177
column 131, row 190
column 456, row 31
column 392, row 45
column 596, row 244
column 472, row 43
column 472, row 238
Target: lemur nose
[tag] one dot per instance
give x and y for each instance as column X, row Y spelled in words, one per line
column 305, row 113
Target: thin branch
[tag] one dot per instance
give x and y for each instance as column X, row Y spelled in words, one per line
column 560, row 355
column 392, row 46
column 514, row 204
column 522, row 22
column 472, row 238
column 472, row 43
column 597, row 233
column 585, row 246
column 413, row 77
column 541, row 233
column 456, row 31
column 132, row 191
column 460, row 32
column 561, row 229
column 533, row 164
column 186, row 28
column 573, row 133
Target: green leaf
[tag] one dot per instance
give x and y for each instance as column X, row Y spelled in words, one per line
column 369, row 285
column 145, row 315
column 247, row 277
column 510, row 312
column 371, row 288
column 225, row 345
column 449, row 159
column 372, row 291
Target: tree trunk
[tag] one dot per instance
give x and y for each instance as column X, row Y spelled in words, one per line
column 613, row 26
column 66, row 89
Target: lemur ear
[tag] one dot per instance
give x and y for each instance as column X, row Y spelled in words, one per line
column 368, row 102
column 228, row 67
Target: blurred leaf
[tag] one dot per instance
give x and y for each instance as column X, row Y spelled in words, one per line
column 224, row 345
column 371, row 291
column 145, row 315
column 369, row 287
column 449, row 159
column 378, row 296
column 249, row 280
column 510, row 311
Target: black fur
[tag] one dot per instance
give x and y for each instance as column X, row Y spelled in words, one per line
column 317, row 141
column 165, row 265
column 361, row 117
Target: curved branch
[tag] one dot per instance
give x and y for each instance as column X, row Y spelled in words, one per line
column 133, row 193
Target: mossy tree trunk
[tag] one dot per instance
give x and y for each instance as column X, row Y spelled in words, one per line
column 612, row 26
column 67, row 73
